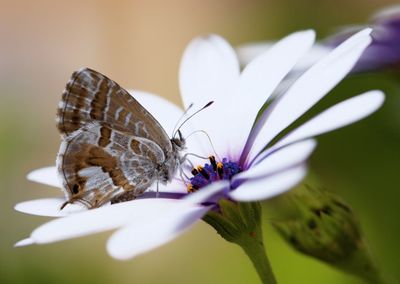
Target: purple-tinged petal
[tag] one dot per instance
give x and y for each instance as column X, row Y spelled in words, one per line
column 390, row 14
column 208, row 193
column 165, row 195
column 280, row 160
column 313, row 85
column 384, row 51
column 265, row 188
column 136, row 239
column 262, row 75
column 340, row 115
column 47, row 176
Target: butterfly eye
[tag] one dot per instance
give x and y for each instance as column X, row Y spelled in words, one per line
column 178, row 142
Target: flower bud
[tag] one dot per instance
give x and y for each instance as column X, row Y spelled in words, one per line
column 384, row 51
column 382, row 54
column 327, row 229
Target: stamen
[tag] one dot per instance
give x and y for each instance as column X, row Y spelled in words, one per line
column 213, row 162
column 190, row 188
column 220, row 170
column 203, row 172
column 205, row 175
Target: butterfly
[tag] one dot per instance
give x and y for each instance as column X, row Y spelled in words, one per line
column 112, row 148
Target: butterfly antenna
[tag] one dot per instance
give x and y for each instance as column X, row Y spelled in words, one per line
column 208, row 137
column 204, row 107
column 182, row 116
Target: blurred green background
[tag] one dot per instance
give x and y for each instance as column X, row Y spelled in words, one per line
column 139, row 44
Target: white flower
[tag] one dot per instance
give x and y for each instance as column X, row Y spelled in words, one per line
column 245, row 169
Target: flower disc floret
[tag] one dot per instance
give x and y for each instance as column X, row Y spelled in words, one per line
column 205, row 175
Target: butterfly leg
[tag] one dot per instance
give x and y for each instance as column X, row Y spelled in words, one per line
column 83, row 198
column 182, row 174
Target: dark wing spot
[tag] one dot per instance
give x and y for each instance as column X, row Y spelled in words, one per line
column 75, row 189
column 105, row 135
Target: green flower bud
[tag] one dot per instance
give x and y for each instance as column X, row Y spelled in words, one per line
column 327, row 229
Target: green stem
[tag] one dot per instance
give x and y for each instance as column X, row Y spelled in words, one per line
column 240, row 223
column 361, row 264
column 254, row 248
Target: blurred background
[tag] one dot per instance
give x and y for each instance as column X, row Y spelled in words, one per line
column 139, row 45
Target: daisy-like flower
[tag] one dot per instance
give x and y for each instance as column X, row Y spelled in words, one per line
column 244, row 166
column 383, row 53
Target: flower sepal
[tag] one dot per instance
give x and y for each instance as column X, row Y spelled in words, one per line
column 240, row 223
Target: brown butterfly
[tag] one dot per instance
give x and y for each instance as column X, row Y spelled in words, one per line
column 113, row 149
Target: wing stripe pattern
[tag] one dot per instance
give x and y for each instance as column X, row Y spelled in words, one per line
column 112, row 147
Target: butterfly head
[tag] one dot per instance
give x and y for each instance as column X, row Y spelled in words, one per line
column 178, row 142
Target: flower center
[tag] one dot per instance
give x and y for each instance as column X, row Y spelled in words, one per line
column 204, row 175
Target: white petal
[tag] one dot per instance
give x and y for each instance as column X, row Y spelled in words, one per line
column 207, row 192
column 262, row 75
column 135, row 239
column 24, row 242
column 208, row 70
column 316, row 53
column 341, row 114
column 175, row 186
column 50, row 207
column 101, row 219
column 387, row 13
column 164, row 111
column 260, row 78
column 265, row 188
column 280, row 160
column 47, row 176
column 247, row 52
column 314, row 84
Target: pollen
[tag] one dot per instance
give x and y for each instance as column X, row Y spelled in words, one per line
column 190, row 188
column 210, row 172
column 213, row 162
column 220, row 169
column 203, row 172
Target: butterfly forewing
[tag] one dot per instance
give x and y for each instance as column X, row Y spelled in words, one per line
column 112, row 149
column 90, row 96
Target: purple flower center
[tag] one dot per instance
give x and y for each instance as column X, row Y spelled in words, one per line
column 204, row 175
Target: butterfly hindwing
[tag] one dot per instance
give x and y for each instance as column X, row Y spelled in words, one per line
column 98, row 163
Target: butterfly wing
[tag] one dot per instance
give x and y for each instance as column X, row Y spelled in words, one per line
column 90, row 96
column 95, row 172
column 111, row 144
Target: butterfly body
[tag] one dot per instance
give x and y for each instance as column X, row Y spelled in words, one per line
column 113, row 149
